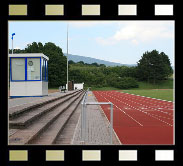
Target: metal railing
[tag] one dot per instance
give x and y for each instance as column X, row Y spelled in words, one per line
column 83, row 116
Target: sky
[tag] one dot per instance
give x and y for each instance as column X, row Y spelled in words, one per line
column 116, row 41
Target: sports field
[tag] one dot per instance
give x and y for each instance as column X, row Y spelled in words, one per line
column 139, row 120
column 164, row 94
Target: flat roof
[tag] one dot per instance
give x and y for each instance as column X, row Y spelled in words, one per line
column 29, row 55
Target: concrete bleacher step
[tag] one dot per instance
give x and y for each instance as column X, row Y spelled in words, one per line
column 17, row 111
column 67, row 134
column 28, row 117
column 50, row 135
column 27, row 135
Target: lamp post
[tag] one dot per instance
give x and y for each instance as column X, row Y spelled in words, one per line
column 67, row 59
column 12, row 41
column 8, row 58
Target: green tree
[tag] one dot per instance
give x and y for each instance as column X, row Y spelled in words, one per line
column 153, row 66
column 57, row 64
column 32, row 48
column 168, row 71
column 102, row 65
column 81, row 62
column 71, row 62
column 95, row 64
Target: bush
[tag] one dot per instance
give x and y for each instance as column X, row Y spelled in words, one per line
column 126, row 83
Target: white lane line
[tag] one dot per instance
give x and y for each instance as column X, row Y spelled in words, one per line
column 142, row 111
column 147, row 106
column 128, row 115
column 123, row 111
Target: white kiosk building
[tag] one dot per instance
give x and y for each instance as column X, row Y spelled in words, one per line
column 28, row 75
column 79, row 85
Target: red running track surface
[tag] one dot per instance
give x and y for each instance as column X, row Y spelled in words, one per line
column 139, row 120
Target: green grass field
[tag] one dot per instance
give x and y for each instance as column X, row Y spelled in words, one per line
column 164, row 94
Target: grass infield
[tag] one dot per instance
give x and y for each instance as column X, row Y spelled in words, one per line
column 163, row 94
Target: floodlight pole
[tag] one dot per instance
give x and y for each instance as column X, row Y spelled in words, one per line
column 12, row 41
column 12, row 54
column 12, row 46
column 67, row 59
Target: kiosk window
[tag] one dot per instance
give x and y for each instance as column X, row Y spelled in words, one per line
column 47, row 70
column 18, row 66
column 33, row 68
column 43, row 69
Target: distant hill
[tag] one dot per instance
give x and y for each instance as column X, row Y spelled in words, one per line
column 89, row 60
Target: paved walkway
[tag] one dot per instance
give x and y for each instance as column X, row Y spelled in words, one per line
column 20, row 101
column 97, row 126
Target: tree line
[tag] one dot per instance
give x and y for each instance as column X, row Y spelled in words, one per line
column 152, row 67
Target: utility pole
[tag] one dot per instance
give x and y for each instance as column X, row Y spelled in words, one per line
column 12, row 45
column 67, row 58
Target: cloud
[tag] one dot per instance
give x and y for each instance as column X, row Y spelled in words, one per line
column 108, row 41
column 135, row 42
column 139, row 32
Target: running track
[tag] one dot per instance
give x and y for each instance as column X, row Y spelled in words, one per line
column 137, row 119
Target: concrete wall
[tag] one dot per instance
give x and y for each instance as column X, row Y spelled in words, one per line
column 28, row 88
column 44, row 88
column 79, row 86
